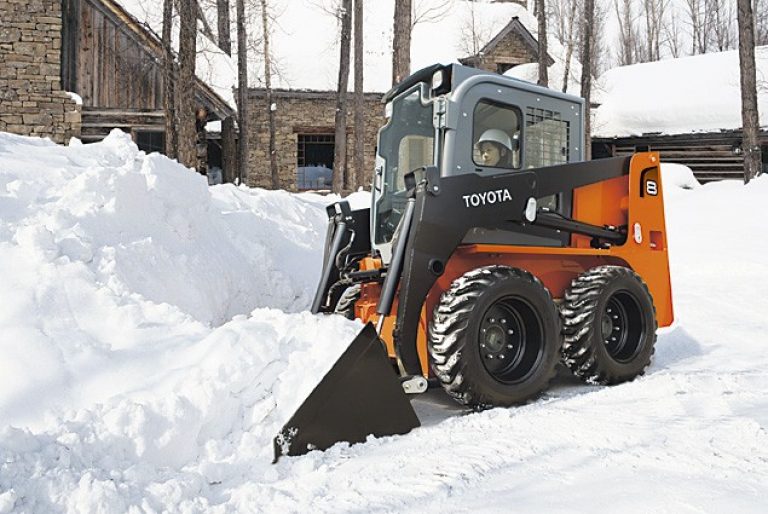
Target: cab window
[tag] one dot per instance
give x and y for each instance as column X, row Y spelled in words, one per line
column 496, row 135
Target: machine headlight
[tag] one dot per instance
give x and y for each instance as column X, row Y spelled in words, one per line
column 437, row 79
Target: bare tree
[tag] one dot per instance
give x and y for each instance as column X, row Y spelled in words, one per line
column 401, row 44
column 541, row 14
column 225, row 39
column 359, row 162
column 270, row 105
column 698, row 21
column 186, row 92
column 654, row 12
column 672, row 34
column 722, row 16
column 749, row 114
column 169, row 84
column 242, row 94
column 340, row 140
column 429, row 11
column 570, row 42
column 473, row 35
column 586, row 72
column 760, row 12
column 625, row 16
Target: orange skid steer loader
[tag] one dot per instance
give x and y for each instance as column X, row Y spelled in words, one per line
column 490, row 253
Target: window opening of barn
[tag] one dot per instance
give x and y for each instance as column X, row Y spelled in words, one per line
column 546, row 143
column 764, row 149
column 315, row 161
column 150, row 141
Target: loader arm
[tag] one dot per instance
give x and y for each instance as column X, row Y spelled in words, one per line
column 446, row 208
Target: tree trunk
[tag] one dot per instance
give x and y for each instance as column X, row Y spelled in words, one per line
column 274, row 172
column 571, row 44
column 225, row 41
column 586, row 74
column 340, row 140
column 749, row 114
column 359, row 163
column 242, row 95
column 541, row 7
column 186, row 91
column 169, row 84
column 401, row 44
column 228, row 150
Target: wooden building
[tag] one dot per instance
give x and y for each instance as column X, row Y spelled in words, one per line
column 114, row 63
column 710, row 155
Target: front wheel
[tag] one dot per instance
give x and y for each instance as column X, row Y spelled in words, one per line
column 494, row 337
column 609, row 325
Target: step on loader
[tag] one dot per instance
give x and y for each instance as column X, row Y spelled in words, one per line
column 491, row 252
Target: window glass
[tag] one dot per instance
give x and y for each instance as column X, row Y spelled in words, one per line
column 546, row 144
column 314, row 154
column 150, row 141
column 496, row 136
column 414, row 152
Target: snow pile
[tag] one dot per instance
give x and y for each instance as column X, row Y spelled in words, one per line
column 673, row 96
column 118, row 395
column 119, row 258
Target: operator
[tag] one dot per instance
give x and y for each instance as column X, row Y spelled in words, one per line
column 495, row 149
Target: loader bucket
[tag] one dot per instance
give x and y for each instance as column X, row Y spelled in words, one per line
column 361, row 395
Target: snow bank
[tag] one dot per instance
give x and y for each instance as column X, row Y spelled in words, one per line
column 673, row 96
column 120, row 258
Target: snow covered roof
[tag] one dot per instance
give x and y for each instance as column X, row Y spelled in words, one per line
column 213, row 67
column 675, row 96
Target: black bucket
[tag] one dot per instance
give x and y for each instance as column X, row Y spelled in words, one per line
column 360, row 396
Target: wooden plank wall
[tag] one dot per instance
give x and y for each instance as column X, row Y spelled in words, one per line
column 710, row 156
column 115, row 68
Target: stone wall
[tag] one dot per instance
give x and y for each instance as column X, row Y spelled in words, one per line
column 31, row 99
column 303, row 112
column 510, row 50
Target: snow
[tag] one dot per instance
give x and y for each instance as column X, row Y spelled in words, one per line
column 155, row 338
column 75, row 97
column 675, row 96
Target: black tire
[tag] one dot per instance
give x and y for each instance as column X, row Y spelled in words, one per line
column 609, row 325
column 495, row 337
column 346, row 304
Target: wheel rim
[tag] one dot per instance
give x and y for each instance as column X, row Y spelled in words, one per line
column 510, row 340
column 621, row 327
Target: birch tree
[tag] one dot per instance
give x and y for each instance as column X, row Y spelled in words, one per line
column 749, row 113
column 541, row 14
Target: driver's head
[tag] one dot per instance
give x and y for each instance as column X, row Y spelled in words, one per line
column 493, row 146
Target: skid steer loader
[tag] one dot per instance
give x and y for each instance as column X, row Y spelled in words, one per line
column 491, row 251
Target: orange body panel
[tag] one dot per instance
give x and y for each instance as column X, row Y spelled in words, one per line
column 634, row 200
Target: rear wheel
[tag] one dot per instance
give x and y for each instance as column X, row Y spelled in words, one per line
column 609, row 325
column 494, row 337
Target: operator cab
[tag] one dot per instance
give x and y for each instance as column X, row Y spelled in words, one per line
column 464, row 120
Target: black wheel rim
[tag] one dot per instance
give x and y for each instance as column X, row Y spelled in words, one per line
column 622, row 329
column 510, row 340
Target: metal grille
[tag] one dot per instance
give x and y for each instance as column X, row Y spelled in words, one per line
column 546, row 138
